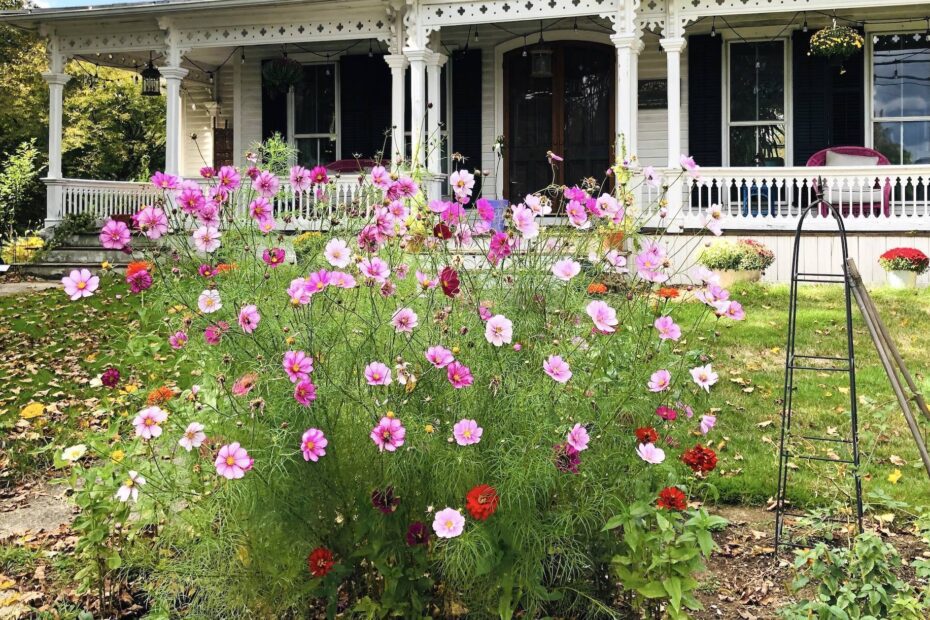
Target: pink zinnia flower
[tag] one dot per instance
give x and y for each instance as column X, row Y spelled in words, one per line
column 438, row 356
column 232, row 461
column 313, row 444
column 557, row 368
column 130, row 489
column 114, row 235
column 273, row 257
column 377, row 373
column 498, row 330
column 448, row 523
column 566, row 269
column 162, row 180
column 459, row 375
column 80, row 283
column 337, row 253
column 578, row 438
column 249, row 318
column 388, row 434
column 668, row 329
column 305, row 392
column 404, row 320
column 193, row 436
column 708, row 422
column 152, row 221
column 147, row 422
column 298, row 366
column 704, row 376
column 375, row 268
column 209, row 301
column 266, row 184
column 177, row 340
column 604, row 317
column 467, row 432
column 206, row 238
column 660, row 381
column 649, row 453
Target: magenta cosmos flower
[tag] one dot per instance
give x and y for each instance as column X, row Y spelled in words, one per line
column 80, row 283
column 266, row 184
column 388, row 434
column 578, row 438
column 440, row 357
column 604, row 317
column 177, row 340
column 459, row 375
column 193, row 436
column 228, row 178
column 273, row 257
column 305, row 392
column 377, row 373
column 660, row 381
column 114, row 235
column 668, row 329
column 448, row 523
column 148, row 421
column 557, row 368
column 704, row 376
column 232, row 461
column 313, row 444
column 666, row 413
column 318, row 281
column 467, row 432
column 139, row 281
column 498, row 330
column 649, row 453
column 375, row 268
column 152, row 221
column 249, row 318
column 298, row 366
column 404, row 320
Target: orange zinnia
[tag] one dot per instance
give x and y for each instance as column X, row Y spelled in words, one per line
column 224, row 267
column 597, row 288
column 160, row 396
column 667, row 292
column 138, row 265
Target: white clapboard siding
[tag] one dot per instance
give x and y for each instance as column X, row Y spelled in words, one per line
column 196, row 119
column 653, row 124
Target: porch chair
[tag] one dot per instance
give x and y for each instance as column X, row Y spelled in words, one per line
column 850, row 200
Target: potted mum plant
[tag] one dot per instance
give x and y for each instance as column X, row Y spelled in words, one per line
column 743, row 260
column 903, row 266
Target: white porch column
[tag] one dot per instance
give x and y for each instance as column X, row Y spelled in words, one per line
column 433, row 126
column 398, row 65
column 673, row 48
column 173, row 76
column 56, row 78
column 418, row 59
column 624, row 101
column 632, row 142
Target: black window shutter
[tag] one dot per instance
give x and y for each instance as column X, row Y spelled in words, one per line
column 705, row 102
column 366, row 105
column 274, row 110
column 466, row 109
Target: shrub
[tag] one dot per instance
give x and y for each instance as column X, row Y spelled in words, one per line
column 308, row 243
column 394, row 432
column 22, row 249
column 904, row 259
column 741, row 255
column 20, row 188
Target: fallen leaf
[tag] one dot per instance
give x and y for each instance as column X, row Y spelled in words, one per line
column 32, row 410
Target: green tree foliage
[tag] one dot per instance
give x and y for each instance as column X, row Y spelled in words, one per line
column 20, row 189
column 23, row 94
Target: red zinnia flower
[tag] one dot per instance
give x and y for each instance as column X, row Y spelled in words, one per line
column 597, row 288
column 449, row 280
column 700, row 459
column 667, row 292
column 671, row 498
column 647, row 434
column 136, row 266
column 481, row 501
column 160, row 396
column 320, row 561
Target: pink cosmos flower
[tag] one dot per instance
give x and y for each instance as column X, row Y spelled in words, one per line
column 524, row 220
column 232, row 461
column 375, row 268
column 617, row 261
column 660, row 381
column 130, row 489
column 193, row 436
column 206, row 238
column 426, row 282
column 305, row 392
column 438, row 356
column 708, row 422
column 260, row 209
column 298, row 366
column 139, row 281
column 651, row 176
column 207, row 172
column 485, row 209
column 337, row 253
column 459, row 375
column 228, row 178
column 577, row 214
column 668, row 329
column 163, row 181
column 214, row 333
column 298, row 292
column 177, row 340
column 484, row 312
column 404, row 320
column 690, row 166
column 249, row 318
column 650, row 262
column 704, row 376
column 462, row 182
column 266, row 184
column 499, row 248
column 566, row 269
column 341, row 279
column 649, row 453
column 735, row 311
column 401, row 271
column 244, row 384
column 498, row 330
column 388, row 434
column 578, row 438
column 380, row 178
column 666, row 413
column 114, row 235
column 448, row 523
column 313, row 444
column 318, row 175
column 273, row 257
column 209, row 301
column 152, row 221
column 148, row 421
column 300, row 179
column 404, row 187
column 209, row 214
column 318, row 281
column 604, row 317
column 377, row 373
column 80, row 283
column 191, row 200
column 557, row 368
column 713, row 220
column 467, row 432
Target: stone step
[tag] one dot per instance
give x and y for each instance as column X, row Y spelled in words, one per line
column 87, row 256
column 56, row 271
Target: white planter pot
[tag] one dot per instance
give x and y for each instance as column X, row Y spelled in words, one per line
column 729, row 277
column 902, row 279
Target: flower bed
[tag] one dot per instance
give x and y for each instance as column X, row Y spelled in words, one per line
column 402, row 433
column 741, row 255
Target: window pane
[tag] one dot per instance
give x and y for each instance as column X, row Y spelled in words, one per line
column 315, row 151
column 315, row 100
column 916, row 143
column 887, row 141
column 902, row 76
column 757, row 145
column 757, row 81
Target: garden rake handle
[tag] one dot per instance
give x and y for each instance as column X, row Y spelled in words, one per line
column 886, row 351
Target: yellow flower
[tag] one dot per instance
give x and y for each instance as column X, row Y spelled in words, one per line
column 389, row 414
column 894, row 476
column 455, row 350
column 106, row 266
column 429, row 428
column 117, row 456
column 129, row 388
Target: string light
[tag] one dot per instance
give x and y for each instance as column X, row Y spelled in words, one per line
column 370, row 52
column 242, row 57
column 476, row 34
column 804, row 27
column 713, row 27
column 524, row 46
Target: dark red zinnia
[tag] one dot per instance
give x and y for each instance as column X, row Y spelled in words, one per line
column 320, row 561
column 110, row 377
column 449, row 280
column 481, row 501
column 671, row 498
column 700, row 459
column 441, row 231
column 647, row 434
column 417, row 534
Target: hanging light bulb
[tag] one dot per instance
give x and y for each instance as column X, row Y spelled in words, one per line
column 804, row 27
column 370, row 52
column 476, row 34
column 210, row 75
column 575, row 24
column 193, row 106
column 713, row 27
column 524, row 47
column 242, row 56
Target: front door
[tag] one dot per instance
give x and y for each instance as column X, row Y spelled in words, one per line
column 568, row 110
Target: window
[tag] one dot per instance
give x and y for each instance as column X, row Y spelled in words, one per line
column 314, row 116
column 756, row 103
column 901, row 98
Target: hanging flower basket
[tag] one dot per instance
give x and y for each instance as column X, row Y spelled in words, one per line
column 838, row 42
column 282, row 73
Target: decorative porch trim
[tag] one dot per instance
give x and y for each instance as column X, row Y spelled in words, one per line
column 435, row 15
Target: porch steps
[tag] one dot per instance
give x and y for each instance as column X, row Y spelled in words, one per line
column 81, row 251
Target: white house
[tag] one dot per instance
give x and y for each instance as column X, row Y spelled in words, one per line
column 730, row 81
